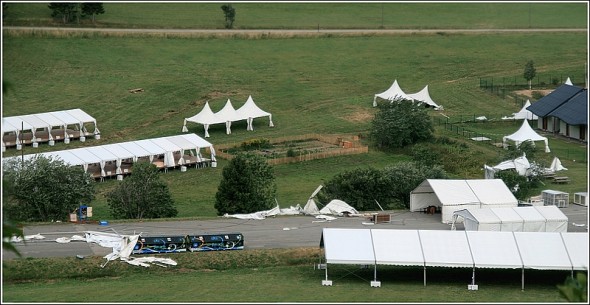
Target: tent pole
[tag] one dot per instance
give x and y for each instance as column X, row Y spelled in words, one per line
column 326, row 271
column 375, row 273
column 522, row 279
column 473, row 277
column 424, row 276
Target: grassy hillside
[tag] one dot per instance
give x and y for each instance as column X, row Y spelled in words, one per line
column 322, row 15
column 313, row 84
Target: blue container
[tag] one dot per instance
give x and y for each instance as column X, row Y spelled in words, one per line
column 103, row 223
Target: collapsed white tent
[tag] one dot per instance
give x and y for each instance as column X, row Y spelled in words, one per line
column 424, row 97
column 535, row 219
column 338, row 208
column 394, row 93
column 441, row 248
column 523, row 113
column 249, row 111
column 526, row 133
column 521, row 165
column 452, row 195
column 556, row 165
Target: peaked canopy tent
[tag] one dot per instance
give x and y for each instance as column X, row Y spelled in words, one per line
column 547, row 219
column 249, row 111
column 568, row 81
column 453, row 195
column 523, row 113
column 394, row 93
column 424, row 97
column 226, row 115
column 526, row 133
column 205, row 117
column 466, row 249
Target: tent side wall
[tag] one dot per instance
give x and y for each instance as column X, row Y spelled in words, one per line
column 419, row 201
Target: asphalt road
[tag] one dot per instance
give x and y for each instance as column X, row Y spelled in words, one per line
column 272, row 232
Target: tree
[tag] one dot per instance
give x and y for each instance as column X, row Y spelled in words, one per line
column 529, row 72
column 92, row 9
column 230, row 14
column 142, row 195
column 398, row 124
column 359, row 188
column 65, row 11
column 247, row 185
column 404, row 177
column 43, row 189
column 575, row 289
column 522, row 187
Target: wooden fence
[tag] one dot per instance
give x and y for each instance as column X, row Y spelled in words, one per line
column 348, row 145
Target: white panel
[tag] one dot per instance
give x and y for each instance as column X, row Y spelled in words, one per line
column 445, row 248
column 577, row 248
column 543, row 250
column 533, row 221
column 348, row 246
column 397, row 247
column 494, row 249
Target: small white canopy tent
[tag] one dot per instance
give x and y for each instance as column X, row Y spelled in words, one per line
column 249, row 111
column 526, row 133
column 394, row 93
column 205, row 117
column 568, row 81
column 226, row 115
column 453, row 195
column 424, row 97
column 523, row 113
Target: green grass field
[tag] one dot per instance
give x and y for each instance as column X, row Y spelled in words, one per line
column 310, row 84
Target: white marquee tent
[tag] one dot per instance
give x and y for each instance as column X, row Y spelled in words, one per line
column 228, row 114
column 424, row 96
column 452, row 195
column 249, row 111
column 441, row 248
column 523, row 113
column 543, row 219
column 150, row 148
column 526, row 133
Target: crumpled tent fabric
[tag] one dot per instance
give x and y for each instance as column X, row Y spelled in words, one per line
column 556, row 165
column 293, row 210
column 338, row 208
column 521, row 165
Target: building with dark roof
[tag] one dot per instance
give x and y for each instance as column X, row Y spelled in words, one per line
column 563, row 111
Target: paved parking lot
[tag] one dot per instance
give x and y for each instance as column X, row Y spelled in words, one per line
column 273, row 232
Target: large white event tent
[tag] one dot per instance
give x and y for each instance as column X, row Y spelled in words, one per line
column 228, row 114
column 540, row 219
column 466, row 249
column 453, row 195
column 526, row 133
column 31, row 123
column 102, row 155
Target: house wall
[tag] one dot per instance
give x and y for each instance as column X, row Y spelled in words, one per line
column 578, row 132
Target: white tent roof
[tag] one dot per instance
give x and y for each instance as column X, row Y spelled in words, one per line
column 250, row 110
column 348, row 246
column 397, row 247
column 204, row 117
column 135, row 149
column 526, row 133
column 544, row 251
column 119, row 151
column 480, row 220
column 494, row 249
column 453, row 195
column 533, row 221
column 445, row 248
column 568, row 81
column 226, row 114
column 524, row 113
column 424, row 96
column 394, row 93
column 573, row 242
